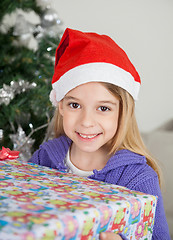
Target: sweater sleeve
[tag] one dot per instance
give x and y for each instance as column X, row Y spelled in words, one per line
column 52, row 153
column 41, row 157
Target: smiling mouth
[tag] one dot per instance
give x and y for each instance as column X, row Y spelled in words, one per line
column 88, row 136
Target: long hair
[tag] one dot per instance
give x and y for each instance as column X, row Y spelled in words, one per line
column 127, row 135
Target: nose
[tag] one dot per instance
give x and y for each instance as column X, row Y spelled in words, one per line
column 87, row 119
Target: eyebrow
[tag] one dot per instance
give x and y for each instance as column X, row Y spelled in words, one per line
column 70, row 98
column 108, row 102
column 100, row 102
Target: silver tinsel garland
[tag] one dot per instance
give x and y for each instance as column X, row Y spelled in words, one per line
column 8, row 92
column 22, row 143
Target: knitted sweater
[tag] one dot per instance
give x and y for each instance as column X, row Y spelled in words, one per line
column 125, row 168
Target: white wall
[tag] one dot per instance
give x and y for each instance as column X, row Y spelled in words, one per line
column 144, row 29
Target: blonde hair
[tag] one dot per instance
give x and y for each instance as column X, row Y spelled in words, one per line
column 127, row 135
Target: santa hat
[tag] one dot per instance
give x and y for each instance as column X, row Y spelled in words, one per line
column 83, row 57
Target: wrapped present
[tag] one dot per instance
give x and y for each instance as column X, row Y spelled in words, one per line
column 37, row 202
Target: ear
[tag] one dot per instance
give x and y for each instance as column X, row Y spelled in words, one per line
column 60, row 108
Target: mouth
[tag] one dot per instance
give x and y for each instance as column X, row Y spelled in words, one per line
column 88, row 136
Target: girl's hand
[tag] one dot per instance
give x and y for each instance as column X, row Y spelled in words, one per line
column 109, row 236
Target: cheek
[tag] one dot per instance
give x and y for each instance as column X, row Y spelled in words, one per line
column 68, row 122
column 111, row 125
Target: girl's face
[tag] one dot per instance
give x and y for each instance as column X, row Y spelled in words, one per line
column 90, row 116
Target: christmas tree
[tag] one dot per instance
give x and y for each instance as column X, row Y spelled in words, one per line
column 26, row 73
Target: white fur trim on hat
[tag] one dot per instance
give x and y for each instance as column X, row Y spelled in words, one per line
column 52, row 97
column 96, row 72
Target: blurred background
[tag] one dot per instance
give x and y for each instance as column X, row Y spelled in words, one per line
column 30, row 32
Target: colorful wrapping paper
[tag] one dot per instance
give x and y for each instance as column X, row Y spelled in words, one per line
column 37, row 202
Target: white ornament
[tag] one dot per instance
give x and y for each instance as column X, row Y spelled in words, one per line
column 43, row 3
column 24, row 30
column 49, row 18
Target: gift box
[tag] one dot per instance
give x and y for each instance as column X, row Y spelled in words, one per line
column 37, row 202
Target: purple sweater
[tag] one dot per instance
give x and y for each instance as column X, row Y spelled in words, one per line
column 125, row 168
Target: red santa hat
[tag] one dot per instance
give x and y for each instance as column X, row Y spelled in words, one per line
column 83, row 57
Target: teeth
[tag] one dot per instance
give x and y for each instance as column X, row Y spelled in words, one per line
column 87, row 136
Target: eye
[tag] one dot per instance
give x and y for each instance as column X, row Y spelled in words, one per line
column 74, row 105
column 103, row 109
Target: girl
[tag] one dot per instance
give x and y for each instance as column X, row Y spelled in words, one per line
column 96, row 134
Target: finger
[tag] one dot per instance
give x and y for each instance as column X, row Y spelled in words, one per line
column 109, row 236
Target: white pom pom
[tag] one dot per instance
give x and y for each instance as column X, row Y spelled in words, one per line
column 52, row 98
